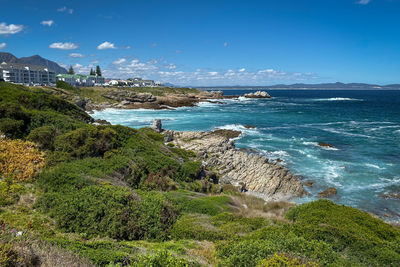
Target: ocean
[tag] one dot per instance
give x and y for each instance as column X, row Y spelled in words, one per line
column 363, row 127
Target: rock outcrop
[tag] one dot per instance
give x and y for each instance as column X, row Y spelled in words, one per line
column 258, row 94
column 236, row 166
column 322, row 144
column 331, row 191
column 126, row 97
column 157, row 126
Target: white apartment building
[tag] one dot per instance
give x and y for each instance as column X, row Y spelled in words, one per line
column 26, row 74
column 81, row 80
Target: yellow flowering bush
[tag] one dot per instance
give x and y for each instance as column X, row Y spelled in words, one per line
column 19, row 160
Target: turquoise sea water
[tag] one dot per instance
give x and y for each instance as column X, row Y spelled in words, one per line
column 364, row 127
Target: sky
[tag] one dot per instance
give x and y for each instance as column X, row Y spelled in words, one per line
column 212, row 43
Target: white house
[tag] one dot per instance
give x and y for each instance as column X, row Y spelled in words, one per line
column 81, row 80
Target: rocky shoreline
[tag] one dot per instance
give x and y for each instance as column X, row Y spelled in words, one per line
column 237, row 167
column 127, row 99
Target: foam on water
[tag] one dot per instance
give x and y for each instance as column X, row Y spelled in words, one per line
column 365, row 134
column 337, row 99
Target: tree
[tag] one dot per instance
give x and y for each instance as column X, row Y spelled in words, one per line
column 92, row 72
column 98, row 71
column 71, row 70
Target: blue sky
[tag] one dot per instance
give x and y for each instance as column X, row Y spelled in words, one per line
column 215, row 42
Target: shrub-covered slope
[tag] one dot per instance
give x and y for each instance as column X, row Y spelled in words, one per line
column 77, row 194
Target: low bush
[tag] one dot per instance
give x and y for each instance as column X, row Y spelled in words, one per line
column 19, row 160
column 89, row 141
column 8, row 256
column 10, row 192
column 66, row 86
column 162, row 259
column 43, row 136
column 285, row 260
column 191, row 203
column 197, row 227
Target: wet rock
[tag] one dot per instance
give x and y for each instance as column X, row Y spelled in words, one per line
column 249, row 126
column 322, row 144
column 328, row 192
column 101, row 122
column 309, row 184
column 391, row 195
column 279, row 160
column 258, row 94
column 157, row 126
column 227, row 133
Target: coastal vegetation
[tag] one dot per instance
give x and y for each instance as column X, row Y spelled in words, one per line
column 73, row 193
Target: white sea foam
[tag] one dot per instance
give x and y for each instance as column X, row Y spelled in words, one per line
column 240, row 127
column 278, row 153
column 207, row 104
column 310, row 143
column 374, row 166
column 337, row 99
column 332, row 130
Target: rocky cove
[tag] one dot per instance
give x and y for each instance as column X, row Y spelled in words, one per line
column 238, row 167
column 216, row 150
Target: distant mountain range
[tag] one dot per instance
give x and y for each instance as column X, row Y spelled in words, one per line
column 33, row 60
column 320, row 86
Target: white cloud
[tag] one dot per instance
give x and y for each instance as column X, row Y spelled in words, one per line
column 66, row 10
column 47, row 23
column 3, row 45
column 10, row 29
column 76, row 55
column 363, row 2
column 119, row 61
column 170, row 66
column 106, row 45
column 170, row 73
column 94, row 61
column 63, row 46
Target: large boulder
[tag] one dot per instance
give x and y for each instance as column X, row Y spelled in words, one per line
column 258, row 94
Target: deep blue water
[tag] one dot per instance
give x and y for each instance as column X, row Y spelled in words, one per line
column 364, row 127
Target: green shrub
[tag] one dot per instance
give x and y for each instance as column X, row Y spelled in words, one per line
column 89, row 141
column 350, row 231
column 210, row 205
column 80, row 206
column 10, row 192
column 197, row 227
column 283, row 260
column 66, row 86
column 162, row 259
column 61, row 122
column 43, row 136
column 8, row 256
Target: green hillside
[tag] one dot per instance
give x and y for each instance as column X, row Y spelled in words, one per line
column 77, row 194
